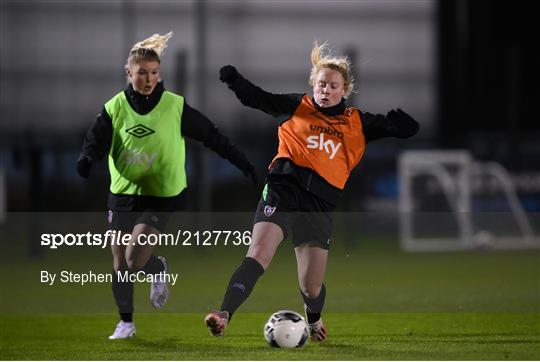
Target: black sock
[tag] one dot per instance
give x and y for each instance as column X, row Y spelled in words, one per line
column 314, row 306
column 241, row 284
column 123, row 296
column 126, row 317
column 153, row 265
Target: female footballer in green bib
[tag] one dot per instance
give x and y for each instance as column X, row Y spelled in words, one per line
column 142, row 130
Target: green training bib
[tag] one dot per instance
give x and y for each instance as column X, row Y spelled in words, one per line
column 147, row 155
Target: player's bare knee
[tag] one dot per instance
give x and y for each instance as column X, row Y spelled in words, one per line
column 261, row 259
column 119, row 264
column 134, row 265
column 257, row 252
column 119, row 268
column 311, row 291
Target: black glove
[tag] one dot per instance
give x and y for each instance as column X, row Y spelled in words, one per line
column 405, row 125
column 228, row 74
column 238, row 159
column 83, row 166
column 249, row 171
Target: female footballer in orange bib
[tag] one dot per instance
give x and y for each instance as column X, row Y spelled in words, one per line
column 321, row 140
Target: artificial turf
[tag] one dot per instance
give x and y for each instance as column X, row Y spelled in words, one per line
column 353, row 336
column 382, row 304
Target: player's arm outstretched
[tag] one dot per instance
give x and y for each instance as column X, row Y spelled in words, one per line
column 277, row 105
column 96, row 145
column 395, row 123
column 197, row 126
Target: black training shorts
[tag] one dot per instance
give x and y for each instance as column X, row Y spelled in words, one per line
column 126, row 211
column 287, row 205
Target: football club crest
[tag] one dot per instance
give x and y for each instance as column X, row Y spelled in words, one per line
column 269, row 210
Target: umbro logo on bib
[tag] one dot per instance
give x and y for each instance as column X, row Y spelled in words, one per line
column 140, row 131
column 269, row 210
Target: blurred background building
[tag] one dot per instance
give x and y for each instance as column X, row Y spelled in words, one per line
column 463, row 69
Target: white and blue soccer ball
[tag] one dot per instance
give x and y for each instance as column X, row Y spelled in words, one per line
column 286, row 329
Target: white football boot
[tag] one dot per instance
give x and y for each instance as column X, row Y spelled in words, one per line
column 123, row 330
column 159, row 290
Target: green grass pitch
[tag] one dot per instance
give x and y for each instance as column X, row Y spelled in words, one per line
column 353, row 336
column 382, row 304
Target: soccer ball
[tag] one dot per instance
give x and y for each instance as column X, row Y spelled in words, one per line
column 286, row 329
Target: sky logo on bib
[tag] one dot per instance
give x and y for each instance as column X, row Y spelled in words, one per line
column 328, row 146
column 140, row 158
column 269, row 210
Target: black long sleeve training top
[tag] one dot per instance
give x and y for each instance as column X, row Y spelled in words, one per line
column 195, row 125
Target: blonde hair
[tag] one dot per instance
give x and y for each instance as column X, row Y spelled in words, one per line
column 341, row 64
column 149, row 49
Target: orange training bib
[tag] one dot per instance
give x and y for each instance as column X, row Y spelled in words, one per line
column 331, row 146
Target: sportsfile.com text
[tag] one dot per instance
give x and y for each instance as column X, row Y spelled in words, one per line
column 116, row 237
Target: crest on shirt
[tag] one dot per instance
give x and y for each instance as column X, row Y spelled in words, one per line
column 269, row 210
